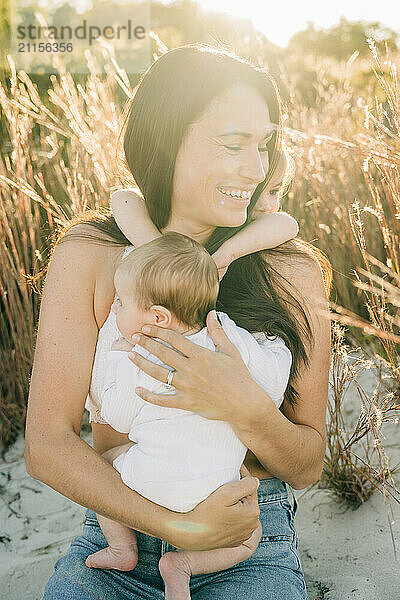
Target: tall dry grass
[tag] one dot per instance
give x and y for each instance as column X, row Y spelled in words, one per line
column 354, row 449
column 346, row 197
column 346, row 192
column 58, row 159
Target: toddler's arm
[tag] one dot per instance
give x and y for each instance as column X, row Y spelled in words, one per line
column 267, row 230
column 132, row 218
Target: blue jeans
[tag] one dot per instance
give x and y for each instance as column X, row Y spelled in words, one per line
column 273, row 572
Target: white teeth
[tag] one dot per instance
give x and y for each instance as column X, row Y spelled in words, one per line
column 236, row 193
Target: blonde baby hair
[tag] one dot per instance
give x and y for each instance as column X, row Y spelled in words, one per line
column 173, row 271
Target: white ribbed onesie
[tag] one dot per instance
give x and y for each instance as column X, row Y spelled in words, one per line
column 180, row 457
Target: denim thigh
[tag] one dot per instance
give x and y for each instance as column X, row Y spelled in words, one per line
column 273, row 572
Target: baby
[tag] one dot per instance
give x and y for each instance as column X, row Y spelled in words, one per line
column 178, row 458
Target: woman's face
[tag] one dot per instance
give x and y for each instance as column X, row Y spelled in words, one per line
column 220, row 162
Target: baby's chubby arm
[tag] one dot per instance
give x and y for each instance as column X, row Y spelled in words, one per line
column 120, row 404
column 269, row 363
column 268, row 359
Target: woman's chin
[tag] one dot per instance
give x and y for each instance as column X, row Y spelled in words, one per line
column 233, row 220
column 230, row 217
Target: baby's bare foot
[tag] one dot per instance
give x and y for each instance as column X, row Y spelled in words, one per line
column 122, row 559
column 175, row 571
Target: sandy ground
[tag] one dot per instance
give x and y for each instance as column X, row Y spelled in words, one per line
column 345, row 554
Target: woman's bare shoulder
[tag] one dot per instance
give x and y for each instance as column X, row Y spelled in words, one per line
column 92, row 263
column 82, row 240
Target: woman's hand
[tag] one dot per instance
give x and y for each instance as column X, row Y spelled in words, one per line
column 211, row 384
column 225, row 519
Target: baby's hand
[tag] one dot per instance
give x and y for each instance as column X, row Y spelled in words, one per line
column 122, row 344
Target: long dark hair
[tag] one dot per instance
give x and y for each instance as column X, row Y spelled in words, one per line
column 172, row 94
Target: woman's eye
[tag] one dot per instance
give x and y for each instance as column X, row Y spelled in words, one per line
column 236, row 148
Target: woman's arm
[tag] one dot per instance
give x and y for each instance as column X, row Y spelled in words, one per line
column 289, row 445
column 55, row 453
column 60, row 379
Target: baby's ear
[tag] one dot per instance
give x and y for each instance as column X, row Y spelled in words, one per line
column 161, row 316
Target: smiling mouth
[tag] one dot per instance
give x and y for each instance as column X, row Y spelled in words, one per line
column 243, row 199
column 235, row 193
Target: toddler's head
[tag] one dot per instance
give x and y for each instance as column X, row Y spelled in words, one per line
column 171, row 282
column 279, row 183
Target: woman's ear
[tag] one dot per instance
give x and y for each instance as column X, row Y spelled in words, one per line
column 160, row 316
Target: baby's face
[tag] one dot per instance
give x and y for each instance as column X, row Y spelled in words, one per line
column 129, row 317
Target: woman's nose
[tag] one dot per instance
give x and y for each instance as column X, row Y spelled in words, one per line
column 254, row 167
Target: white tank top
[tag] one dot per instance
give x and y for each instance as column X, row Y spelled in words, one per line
column 108, row 333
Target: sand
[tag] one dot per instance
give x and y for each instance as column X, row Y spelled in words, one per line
column 346, row 554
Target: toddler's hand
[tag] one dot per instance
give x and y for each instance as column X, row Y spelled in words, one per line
column 222, row 259
column 122, row 344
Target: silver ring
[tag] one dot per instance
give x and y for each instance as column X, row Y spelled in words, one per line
column 170, row 376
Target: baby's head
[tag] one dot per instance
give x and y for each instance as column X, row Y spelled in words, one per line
column 171, row 282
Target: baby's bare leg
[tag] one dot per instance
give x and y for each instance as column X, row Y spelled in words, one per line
column 177, row 567
column 122, row 552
